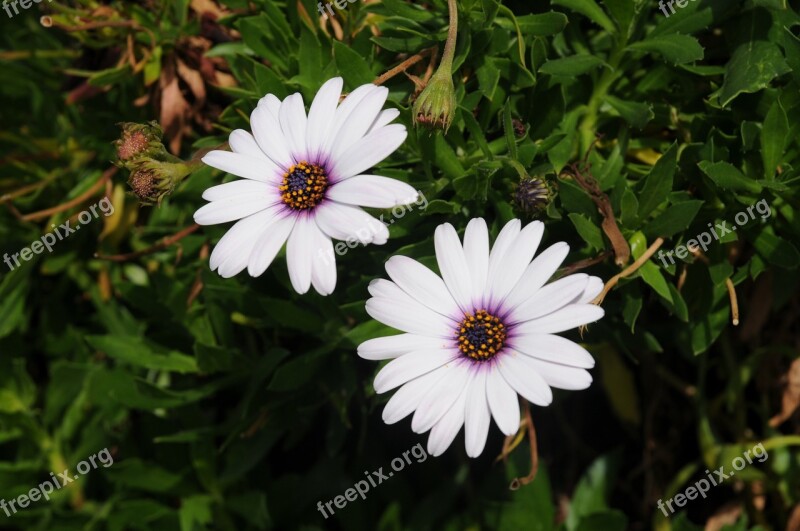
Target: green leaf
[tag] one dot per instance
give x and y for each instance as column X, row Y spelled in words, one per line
column 588, row 230
column 629, row 208
column 476, row 131
column 409, row 11
column 622, row 11
column 488, row 77
column 542, row 24
column 776, row 250
column 675, row 48
column 635, row 113
column 574, row 65
column 354, row 68
column 650, row 272
column 142, row 353
column 674, row 219
column 508, row 130
column 751, row 68
column 591, row 10
column 612, row 520
column 658, row 182
column 774, row 136
column 728, row 177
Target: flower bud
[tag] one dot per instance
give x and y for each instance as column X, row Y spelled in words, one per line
column 151, row 180
column 532, row 195
column 139, row 141
column 435, row 107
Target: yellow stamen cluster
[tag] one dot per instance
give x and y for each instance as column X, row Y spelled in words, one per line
column 303, row 186
column 481, row 336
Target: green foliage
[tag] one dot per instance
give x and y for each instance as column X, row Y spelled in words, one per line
column 237, row 404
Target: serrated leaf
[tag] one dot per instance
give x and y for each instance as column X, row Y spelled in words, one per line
column 676, row 48
column 752, row 67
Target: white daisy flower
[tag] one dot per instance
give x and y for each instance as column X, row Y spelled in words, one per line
column 479, row 335
column 304, row 183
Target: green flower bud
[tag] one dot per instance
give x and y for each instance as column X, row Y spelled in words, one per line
column 435, row 107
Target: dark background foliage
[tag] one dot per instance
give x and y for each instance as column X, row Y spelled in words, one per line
column 236, row 404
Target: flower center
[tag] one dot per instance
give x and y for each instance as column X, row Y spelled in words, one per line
column 481, row 335
column 303, row 186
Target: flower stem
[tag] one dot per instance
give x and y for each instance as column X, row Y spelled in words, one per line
column 452, row 36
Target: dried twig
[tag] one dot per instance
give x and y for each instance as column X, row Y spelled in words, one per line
column 734, row 300
column 631, row 269
column 163, row 244
column 516, row 483
column 581, row 172
column 402, row 67
column 42, row 214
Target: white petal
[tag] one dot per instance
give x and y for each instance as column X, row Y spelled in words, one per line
column 453, row 266
column 240, row 237
column 243, row 166
column 408, row 397
column 347, row 106
column 380, row 287
column 550, row 298
column 343, row 222
column 445, row 431
column 407, row 315
column 293, row 124
column 412, row 365
column 270, row 137
column 244, row 143
column 561, row 376
column 384, row 348
column 323, row 268
column 439, row 399
column 230, row 209
column 593, row 289
column 369, row 151
column 476, row 252
column 372, row 191
column 502, row 402
column 505, row 240
column 271, row 103
column 384, row 118
column 422, row 284
column 508, row 268
column 477, row 418
column 552, row 348
column 566, row 318
column 241, row 187
column 321, row 116
column 358, row 123
column 300, row 251
column 523, row 379
column 537, row 274
column 269, row 244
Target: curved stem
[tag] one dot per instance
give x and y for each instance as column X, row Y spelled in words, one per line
column 35, row 216
column 452, row 35
column 163, row 244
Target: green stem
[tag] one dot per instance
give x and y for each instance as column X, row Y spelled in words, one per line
column 452, row 35
column 610, row 75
